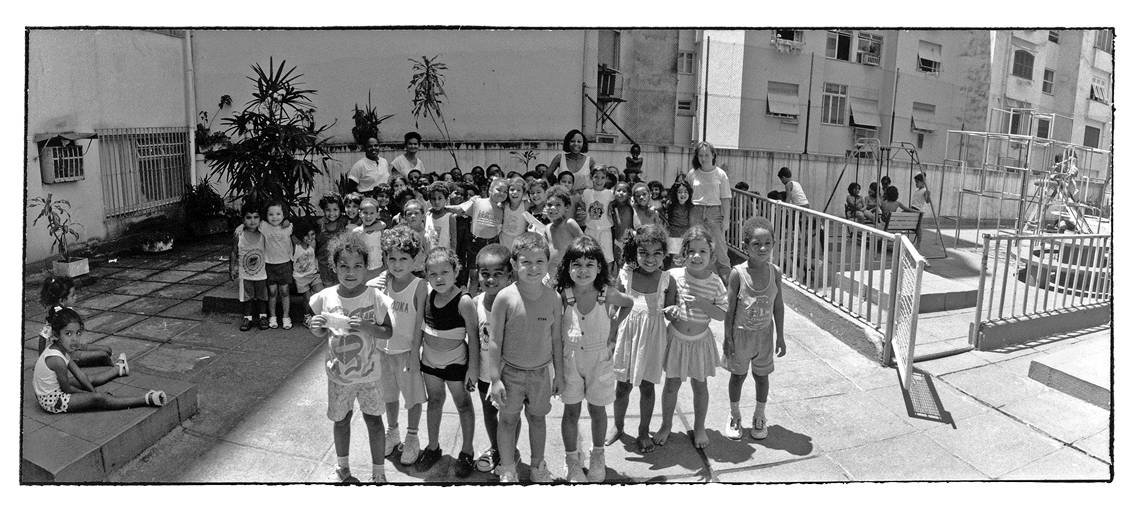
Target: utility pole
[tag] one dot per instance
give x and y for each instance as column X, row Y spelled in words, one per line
column 807, row 117
column 894, row 102
column 705, row 118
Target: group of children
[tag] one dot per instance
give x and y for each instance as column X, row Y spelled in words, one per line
column 873, row 208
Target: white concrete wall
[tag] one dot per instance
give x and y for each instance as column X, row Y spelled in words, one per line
column 81, row 80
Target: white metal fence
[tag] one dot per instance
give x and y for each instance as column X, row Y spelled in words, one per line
column 142, row 168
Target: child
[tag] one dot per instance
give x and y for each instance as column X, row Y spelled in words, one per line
column 890, row 202
column 442, row 220
column 414, row 218
column 493, row 171
column 634, row 161
column 871, row 201
column 450, row 358
column 562, row 229
column 536, row 192
column 642, row 213
column 525, row 339
column 515, row 214
column 639, row 353
column 854, row 208
column 755, row 301
column 56, row 391
column 59, row 292
column 383, row 201
column 675, row 214
column 247, row 264
column 328, row 227
column 588, row 338
column 346, row 315
column 486, row 222
column 278, row 233
column 690, row 351
column 712, row 199
column 656, row 195
column 566, row 179
column 399, row 367
column 622, row 218
column 352, row 209
column 793, row 192
column 494, row 273
column 305, row 263
column 597, row 201
column 920, row 202
column 371, row 231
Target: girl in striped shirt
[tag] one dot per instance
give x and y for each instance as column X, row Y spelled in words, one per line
column 690, row 349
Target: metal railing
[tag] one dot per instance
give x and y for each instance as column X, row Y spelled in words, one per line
column 1028, row 275
column 143, row 168
column 846, row 264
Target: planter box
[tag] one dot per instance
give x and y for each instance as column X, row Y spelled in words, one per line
column 158, row 246
column 75, row 268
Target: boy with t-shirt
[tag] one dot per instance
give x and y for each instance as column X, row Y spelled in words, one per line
column 525, row 324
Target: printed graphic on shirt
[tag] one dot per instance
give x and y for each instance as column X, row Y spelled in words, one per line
column 252, row 261
column 353, row 356
column 596, row 210
column 757, row 313
column 484, row 336
column 305, row 262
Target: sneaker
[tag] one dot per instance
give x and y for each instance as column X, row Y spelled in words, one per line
column 286, row 323
column 487, row 460
column 272, row 322
column 246, row 324
column 121, row 365
column 732, row 429
column 464, row 465
column 759, row 430
column 597, row 472
column 540, row 474
column 344, row 475
column 411, row 451
column 507, row 475
column 263, row 323
column 574, row 472
column 379, row 479
column 428, row 458
column 391, row 439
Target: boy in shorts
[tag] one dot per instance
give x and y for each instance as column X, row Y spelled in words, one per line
column 346, row 315
column 526, row 323
column 400, row 362
column 247, row 264
column 494, row 273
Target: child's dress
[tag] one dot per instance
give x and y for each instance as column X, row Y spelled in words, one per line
column 640, row 351
column 694, row 356
column 589, row 371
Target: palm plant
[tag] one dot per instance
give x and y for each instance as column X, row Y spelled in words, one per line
column 276, row 142
column 367, row 122
column 525, row 157
column 428, row 96
column 59, row 224
column 204, row 139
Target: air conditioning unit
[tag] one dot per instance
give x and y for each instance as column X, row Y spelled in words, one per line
column 867, row 59
column 605, row 139
column 786, row 46
column 864, row 133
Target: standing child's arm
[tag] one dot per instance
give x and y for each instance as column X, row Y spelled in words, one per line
column 778, row 314
column 317, row 323
column 625, row 303
column 575, row 229
column 234, row 255
column 452, row 235
column 556, row 348
column 496, row 325
column 418, row 326
column 471, row 322
column 730, row 315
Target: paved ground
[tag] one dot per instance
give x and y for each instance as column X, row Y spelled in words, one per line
column 834, row 414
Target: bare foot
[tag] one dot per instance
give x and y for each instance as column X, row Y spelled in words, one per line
column 614, row 435
column 645, row 443
column 700, row 438
column 662, row 435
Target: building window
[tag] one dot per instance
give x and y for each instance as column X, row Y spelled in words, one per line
column 609, row 48
column 919, row 139
column 1054, row 36
column 929, row 57
column 790, row 35
column 839, row 44
column 783, row 100
column 870, row 49
column 1092, row 136
column 685, row 62
column 1023, row 64
column 1099, row 90
column 1043, row 128
column 685, row 107
column 1047, row 82
column 922, row 117
column 834, row 104
column 1103, row 40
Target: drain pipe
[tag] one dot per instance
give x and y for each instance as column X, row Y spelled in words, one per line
column 190, row 102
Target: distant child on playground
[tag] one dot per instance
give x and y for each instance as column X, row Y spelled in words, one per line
column 536, row 193
column 854, row 207
column 690, row 351
column 450, row 358
column 493, row 264
column 278, row 233
column 247, row 264
column 588, row 340
column 597, row 201
column 643, row 214
column 526, row 338
column 639, row 352
column 755, row 308
column 415, row 219
column 656, row 195
column 352, row 209
column 442, row 219
column 329, row 225
column 562, row 228
column 675, row 213
column 353, row 318
column 515, row 215
column 59, row 292
column 62, row 387
column 400, row 364
column 370, row 231
column 622, row 219
column 305, row 273
column 486, row 222
column 793, row 192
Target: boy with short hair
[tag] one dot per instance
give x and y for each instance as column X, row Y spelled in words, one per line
column 247, row 264
column 525, row 326
column 346, row 314
column 793, row 192
column 493, row 264
column 400, row 363
column 562, row 228
column 370, row 231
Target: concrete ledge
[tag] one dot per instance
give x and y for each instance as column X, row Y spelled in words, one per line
column 938, row 294
column 1081, row 370
column 85, row 447
column 995, row 335
column 858, row 335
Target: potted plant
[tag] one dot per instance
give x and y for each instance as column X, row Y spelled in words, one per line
column 57, row 212
column 366, row 122
column 204, row 139
column 156, row 241
column 203, row 209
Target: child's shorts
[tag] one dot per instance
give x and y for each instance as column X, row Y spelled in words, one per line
column 342, row 397
column 674, row 245
column 526, row 388
column 589, row 374
column 753, row 347
column 448, row 365
column 253, row 290
column 312, row 283
column 279, row 274
column 54, row 402
column 400, row 376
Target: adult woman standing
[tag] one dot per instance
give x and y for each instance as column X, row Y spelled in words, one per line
column 712, row 196
column 573, row 159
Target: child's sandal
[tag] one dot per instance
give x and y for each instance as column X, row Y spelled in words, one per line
column 156, row 398
column 122, row 366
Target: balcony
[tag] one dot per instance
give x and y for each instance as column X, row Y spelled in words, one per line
column 1099, row 111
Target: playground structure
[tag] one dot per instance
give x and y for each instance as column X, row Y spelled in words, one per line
column 1040, row 175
